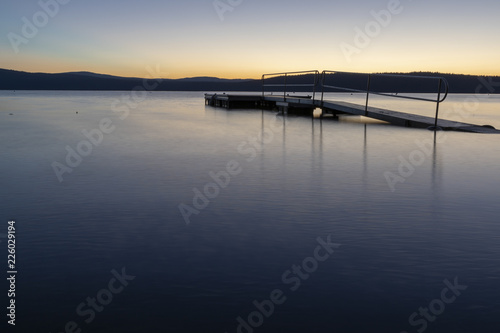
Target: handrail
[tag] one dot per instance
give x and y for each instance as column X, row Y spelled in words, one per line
column 368, row 91
column 416, row 77
column 285, row 85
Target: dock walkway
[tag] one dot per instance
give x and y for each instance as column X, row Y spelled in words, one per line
column 287, row 103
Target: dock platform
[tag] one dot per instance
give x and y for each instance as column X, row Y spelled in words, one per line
column 306, row 104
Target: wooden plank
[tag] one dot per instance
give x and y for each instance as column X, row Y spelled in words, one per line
column 406, row 119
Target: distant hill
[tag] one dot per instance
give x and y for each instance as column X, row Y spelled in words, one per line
column 17, row 80
column 95, row 75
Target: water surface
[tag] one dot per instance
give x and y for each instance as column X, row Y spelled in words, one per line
column 298, row 179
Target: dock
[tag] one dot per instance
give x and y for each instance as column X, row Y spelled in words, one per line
column 286, row 102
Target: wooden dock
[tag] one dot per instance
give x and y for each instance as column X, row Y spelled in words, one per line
column 364, row 83
column 306, row 105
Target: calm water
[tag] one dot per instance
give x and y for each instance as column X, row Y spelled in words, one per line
column 398, row 234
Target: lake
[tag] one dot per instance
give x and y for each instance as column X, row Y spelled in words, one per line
column 156, row 213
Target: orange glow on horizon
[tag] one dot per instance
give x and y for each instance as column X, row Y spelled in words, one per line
column 230, row 74
column 236, row 69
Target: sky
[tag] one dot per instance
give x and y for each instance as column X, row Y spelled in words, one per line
column 247, row 38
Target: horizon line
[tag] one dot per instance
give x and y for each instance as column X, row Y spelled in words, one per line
column 239, row 78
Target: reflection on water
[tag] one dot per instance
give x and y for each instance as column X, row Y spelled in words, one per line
column 302, row 178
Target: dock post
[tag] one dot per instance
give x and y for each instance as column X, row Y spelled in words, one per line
column 368, row 93
column 284, row 92
column 437, row 104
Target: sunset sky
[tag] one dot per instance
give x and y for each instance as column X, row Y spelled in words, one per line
column 246, row 38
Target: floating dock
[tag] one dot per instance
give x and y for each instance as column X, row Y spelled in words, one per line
column 306, row 104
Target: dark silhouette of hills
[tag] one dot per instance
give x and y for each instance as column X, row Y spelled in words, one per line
column 17, row 80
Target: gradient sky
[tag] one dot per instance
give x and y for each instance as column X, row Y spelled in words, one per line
column 187, row 38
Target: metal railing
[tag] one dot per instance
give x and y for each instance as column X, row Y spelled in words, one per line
column 438, row 100
column 285, row 84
